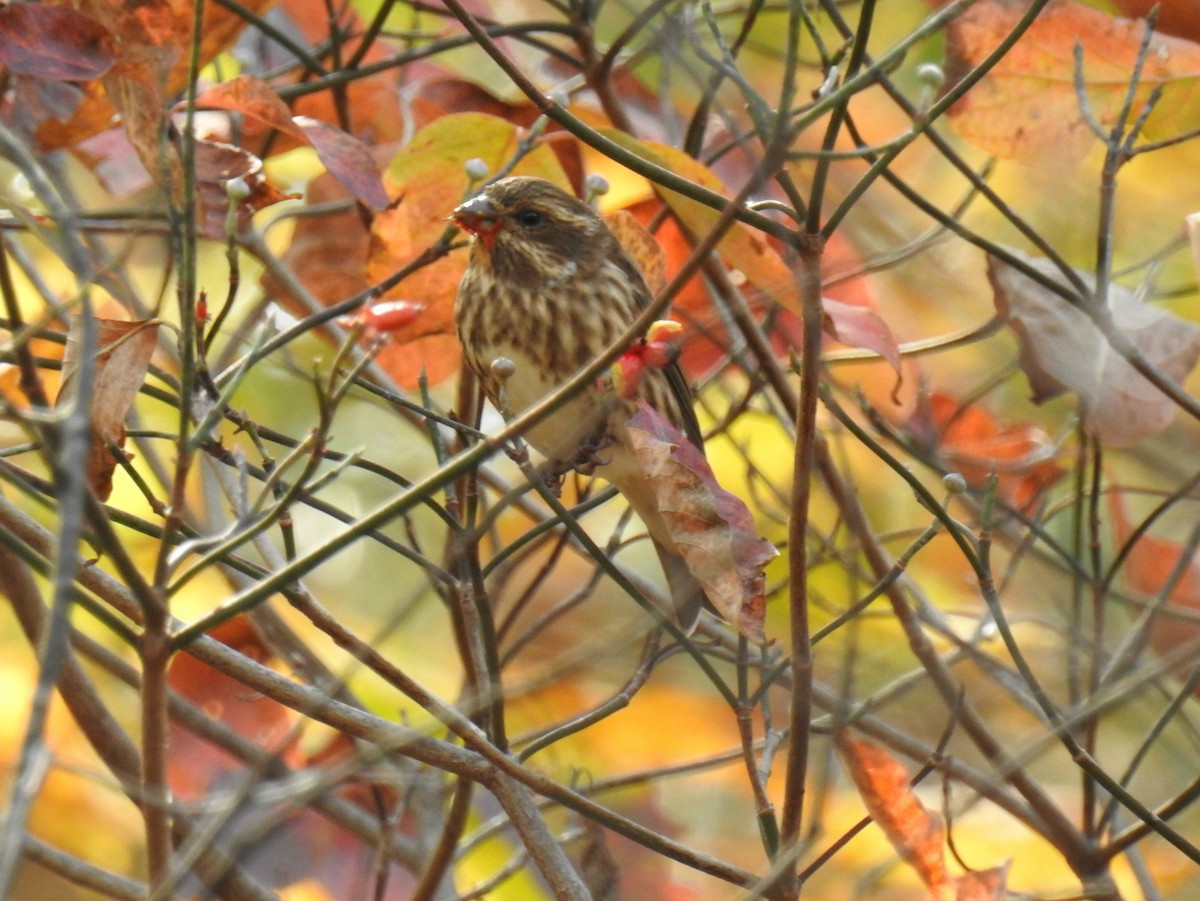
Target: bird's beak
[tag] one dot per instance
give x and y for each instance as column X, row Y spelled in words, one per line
column 479, row 217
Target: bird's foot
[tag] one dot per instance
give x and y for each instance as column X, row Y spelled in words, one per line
column 584, row 460
column 551, row 472
column 587, row 456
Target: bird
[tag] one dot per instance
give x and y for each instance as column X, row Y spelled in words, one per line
column 549, row 287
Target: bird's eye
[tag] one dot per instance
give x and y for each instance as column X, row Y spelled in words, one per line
column 529, row 218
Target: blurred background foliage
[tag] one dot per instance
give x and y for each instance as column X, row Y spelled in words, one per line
column 330, row 205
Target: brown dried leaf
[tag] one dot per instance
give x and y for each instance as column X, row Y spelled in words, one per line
column 1027, row 107
column 1062, row 350
column 712, row 528
column 123, row 357
column 54, row 42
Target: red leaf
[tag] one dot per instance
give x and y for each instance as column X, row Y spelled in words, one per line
column 54, row 42
column 712, row 528
column 251, row 97
column 346, row 158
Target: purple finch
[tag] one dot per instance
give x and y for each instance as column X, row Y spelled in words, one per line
column 550, row 288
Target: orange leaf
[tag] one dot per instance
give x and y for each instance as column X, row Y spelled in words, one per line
column 1149, row 566
column 123, row 351
column 744, row 249
column 1027, row 107
column 641, row 246
column 251, row 97
column 971, row 441
column 712, row 529
column 912, row 830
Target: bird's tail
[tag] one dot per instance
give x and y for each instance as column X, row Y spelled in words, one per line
column 687, row 597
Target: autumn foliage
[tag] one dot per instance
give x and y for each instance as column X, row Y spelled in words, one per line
column 291, row 612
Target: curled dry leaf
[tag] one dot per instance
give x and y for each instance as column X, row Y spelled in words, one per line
column 712, row 528
column 1062, row 350
column 123, row 351
column 1027, row 106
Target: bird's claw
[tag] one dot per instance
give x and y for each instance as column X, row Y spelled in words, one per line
column 587, row 456
column 584, row 460
column 551, row 472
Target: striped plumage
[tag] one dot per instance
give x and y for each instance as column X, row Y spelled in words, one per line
column 549, row 288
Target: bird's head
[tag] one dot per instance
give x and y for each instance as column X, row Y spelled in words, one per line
column 529, row 226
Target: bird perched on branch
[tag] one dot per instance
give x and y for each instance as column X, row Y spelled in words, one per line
column 550, row 288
